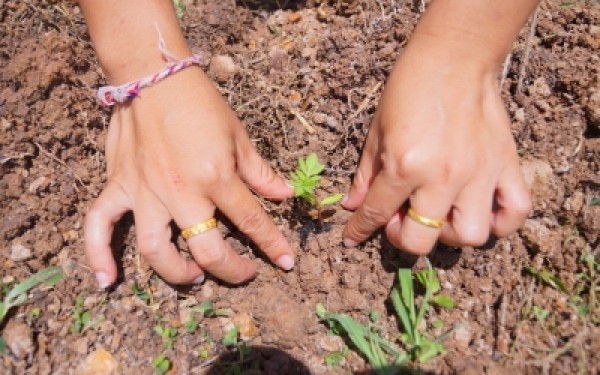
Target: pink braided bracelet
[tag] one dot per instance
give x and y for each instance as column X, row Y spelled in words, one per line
column 110, row 95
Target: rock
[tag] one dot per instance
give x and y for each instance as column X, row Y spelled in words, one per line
column 575, row 202
column 520, row 115
column 540, row 87
column 99, row 362
column 540, row 238
column 222, row 67
column 547, row 191
column 331, row 343
column 294, row 17
column 246, row 326
column 18, row 337
column 19, row 253
column 38, row 185
column 536, row 172
column 462, row 336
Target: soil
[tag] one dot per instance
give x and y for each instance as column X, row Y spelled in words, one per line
column 305, row 78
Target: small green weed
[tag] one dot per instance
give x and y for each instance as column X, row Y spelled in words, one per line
column 142, row 294
column 17, row 295
column 204, row 310
column 2, row 345
column 180, row 8
column 33, row 315
column 161, row 364
column 334, row 359
column 588, row 284
column 540, row 313
column 82, row 318
column 378, row 350
column 306, row 178
column 168, row 335
column 595, row 201
column 231, row 340
column 547, row 278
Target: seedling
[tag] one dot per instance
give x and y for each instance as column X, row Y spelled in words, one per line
column 82, row 318
column 231, row 340
column 168, row 335
column 18, row 294
column 547, row 278
column 305, row 179
column 180, row 8
column 588, row 284
column 33, row 315
column 2, row 345
column 419, row 347
column 161, row 364
column 141, row 293
column 204, row 310
column 540, row 313
column 334, row 359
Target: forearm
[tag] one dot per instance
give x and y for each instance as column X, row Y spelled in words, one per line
column 478, row 33
column 125, row 37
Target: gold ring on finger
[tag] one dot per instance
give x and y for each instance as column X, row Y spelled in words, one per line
column 431, row 223
column 201, row 227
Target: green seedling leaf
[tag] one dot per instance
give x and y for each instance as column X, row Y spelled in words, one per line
column 332, row 199
column 180, row 8
column 374, row 316
column 333, row 359
column 548, row 278
column 595, row 201
column 231, row 337
column 140, row 293
column 438, row 323
column 190, row 325
column 161, row 364
column 444, row 301
column 205, row 309
column 2, row 345
column 540, row 313
column 423, row 277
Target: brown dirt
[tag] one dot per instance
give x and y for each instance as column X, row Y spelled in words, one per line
column 326, row 64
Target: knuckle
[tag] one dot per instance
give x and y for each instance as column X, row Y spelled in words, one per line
column 253, row 223
column 150, row 243
column 417, row 245
column 372, row 215
column 212, row 257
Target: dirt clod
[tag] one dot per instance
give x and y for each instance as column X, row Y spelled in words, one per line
column 19, row 339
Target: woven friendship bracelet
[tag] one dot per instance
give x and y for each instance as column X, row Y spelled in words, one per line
column 110, row 95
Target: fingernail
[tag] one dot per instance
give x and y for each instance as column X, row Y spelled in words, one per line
column 286, row 262
column 198, row 280
column 348, row 242
column 102, row 279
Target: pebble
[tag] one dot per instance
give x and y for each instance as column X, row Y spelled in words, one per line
column 99, row 362
column 575, row 202
column 536, row 172
column 19, row 339
column 38, row 185
column 19, row 253
column 246, row 326
column 294, row 17
column 462, row 337
column 539, row 237
column 222, row 68
column 331, row 343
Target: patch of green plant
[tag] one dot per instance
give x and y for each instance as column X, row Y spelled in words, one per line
column 334, row 359
column 418, row 346
column 82, row 318
column 17, row 295
column 161, row 364
column 385, row 356
column 180, row 8
column 33, row 315
column 204, row 310
column 595, row 201
column 142, row 294
column 540, row 314
column 168, row 335
column 2, row 345
column 588, row 284
column 231, row 340
column 305, row 180
column 547, row 278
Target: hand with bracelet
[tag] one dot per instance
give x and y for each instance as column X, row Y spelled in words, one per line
column 440, row 140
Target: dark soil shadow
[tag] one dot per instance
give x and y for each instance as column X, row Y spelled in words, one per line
column 271, row 5
column 119, row 241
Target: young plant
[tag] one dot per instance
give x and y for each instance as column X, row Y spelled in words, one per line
column 180, row 8
column 168, row 335
column 161, row 364
column 82, row 318
column 547, row 278
column 334, row 359
column 204, row 310
column 17, row 295
column 419, row 347
column 306, row 178
column 231, row 340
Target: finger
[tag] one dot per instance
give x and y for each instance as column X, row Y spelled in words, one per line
column 368, row 167
column 382, row 201
column 211, row 252
column 240, row 206
column 432, row 202
column 471, row 217
column 153, row 231
column 513, row 202
column 253, row 169
column 98, row 228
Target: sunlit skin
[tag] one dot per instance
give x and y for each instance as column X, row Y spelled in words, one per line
column 440, row 141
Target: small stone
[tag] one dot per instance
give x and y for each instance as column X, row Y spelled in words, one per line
column 4, row 123
column 18, row 337
column 246, row 326
column 294, row 17
column 536, row 172
column 520, row 115
column 575, row 202
column 19, row 253
column 462, row 336
column 38, row 185
column 540, row 238
column 222, row 67
column 540, row 87
column 331, row 343
column 594, row 30
column 99, row 362
column 207, row 291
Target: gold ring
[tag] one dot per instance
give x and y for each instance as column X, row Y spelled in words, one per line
column 431, row 223
column 199, row 228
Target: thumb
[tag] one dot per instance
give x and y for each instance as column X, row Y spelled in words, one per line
column 257, row 173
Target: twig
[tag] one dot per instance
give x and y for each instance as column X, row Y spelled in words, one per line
column 505, row 68
column 53, row 157
column 527, row 52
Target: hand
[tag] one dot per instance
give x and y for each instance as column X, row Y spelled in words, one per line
column 440, row 141
column 177, row 152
